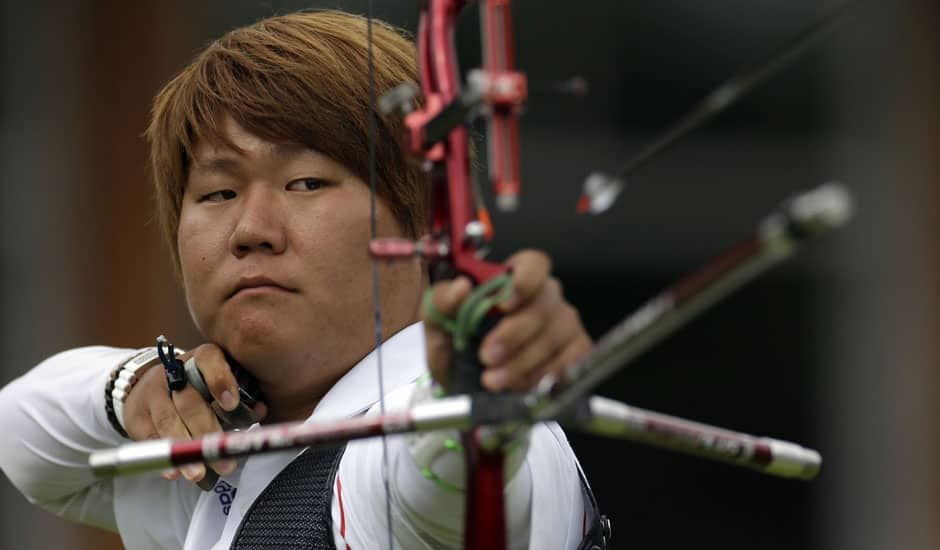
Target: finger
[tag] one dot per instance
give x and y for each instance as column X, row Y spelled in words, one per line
column 530, row 270
column 571, row 352
column 199, row 420
column 218, row 375
column 140, row 426
column 168, row 423
column 439, row 351
column 193, row 472
column 151, row 385
column 195, row 413
column 225, row 466
column 535, row 355
column 518, row 329
column 143, row 429
column 446, row 298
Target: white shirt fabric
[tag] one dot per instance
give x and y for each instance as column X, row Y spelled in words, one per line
column 55, row 417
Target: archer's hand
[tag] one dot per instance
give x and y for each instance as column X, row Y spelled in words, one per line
column 539, row 333
column 150, row 412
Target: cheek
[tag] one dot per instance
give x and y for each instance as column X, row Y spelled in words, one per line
column 340, row 231
column 337, row 246
column 337, row 260
column 201, row 246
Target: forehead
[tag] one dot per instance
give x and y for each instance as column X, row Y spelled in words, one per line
column 233, row 140
column 233, row 150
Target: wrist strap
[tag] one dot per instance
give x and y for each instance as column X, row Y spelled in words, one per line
column 122, row 380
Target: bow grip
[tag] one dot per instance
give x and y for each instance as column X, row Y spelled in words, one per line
column 467, row 368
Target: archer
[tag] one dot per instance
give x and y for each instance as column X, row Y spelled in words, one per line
column 259, row 151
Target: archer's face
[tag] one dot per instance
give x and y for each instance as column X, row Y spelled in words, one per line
column 273, row 243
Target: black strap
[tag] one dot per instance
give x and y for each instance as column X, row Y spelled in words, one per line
column 294, row 512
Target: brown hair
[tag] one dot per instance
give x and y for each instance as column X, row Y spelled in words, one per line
column 299, row 78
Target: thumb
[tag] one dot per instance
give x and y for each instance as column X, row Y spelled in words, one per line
column 446, row 297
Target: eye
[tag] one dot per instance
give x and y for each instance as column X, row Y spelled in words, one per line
column 306, row 184
column 218, row 196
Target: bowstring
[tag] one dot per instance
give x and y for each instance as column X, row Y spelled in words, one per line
column 377, row 313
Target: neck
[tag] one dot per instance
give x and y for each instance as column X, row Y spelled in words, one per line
column 281, row 412
column 293, row 389
column 290, row 400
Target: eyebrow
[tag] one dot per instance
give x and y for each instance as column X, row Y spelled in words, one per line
column 215, row 165
column 228, row 162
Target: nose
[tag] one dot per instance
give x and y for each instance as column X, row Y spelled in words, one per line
column 260, row 225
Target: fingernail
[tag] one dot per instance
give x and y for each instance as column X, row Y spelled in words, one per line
column 226, row 466
column 493, row 353
column 193, row 472
column 229, row 401
column 495, row 379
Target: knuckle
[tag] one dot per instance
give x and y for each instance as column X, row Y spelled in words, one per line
column 533, row 255
column 219, row 381
column 207, row 350
column 153, row 379
column 439, row 296
column 543, row 257
column 551, row 294
column 207, row 354
column 507, row 325
column 142, row 434
column 134, row 404
column 189, row 404
column 148, row 392
column 164, row 420
column 540, row 261
column 575, row 351
column 530, row 359
column 138, row 427
column 511, row 332
column 571, row 314
column 446, row 296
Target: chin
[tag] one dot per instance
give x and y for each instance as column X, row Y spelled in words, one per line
column 255, row 340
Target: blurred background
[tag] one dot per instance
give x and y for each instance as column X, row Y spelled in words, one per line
column 837, row 350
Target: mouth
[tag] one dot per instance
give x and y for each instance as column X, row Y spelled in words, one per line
column 258, row 285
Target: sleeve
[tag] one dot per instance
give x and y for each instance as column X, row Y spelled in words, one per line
column 55, row 417
column 427, row 497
